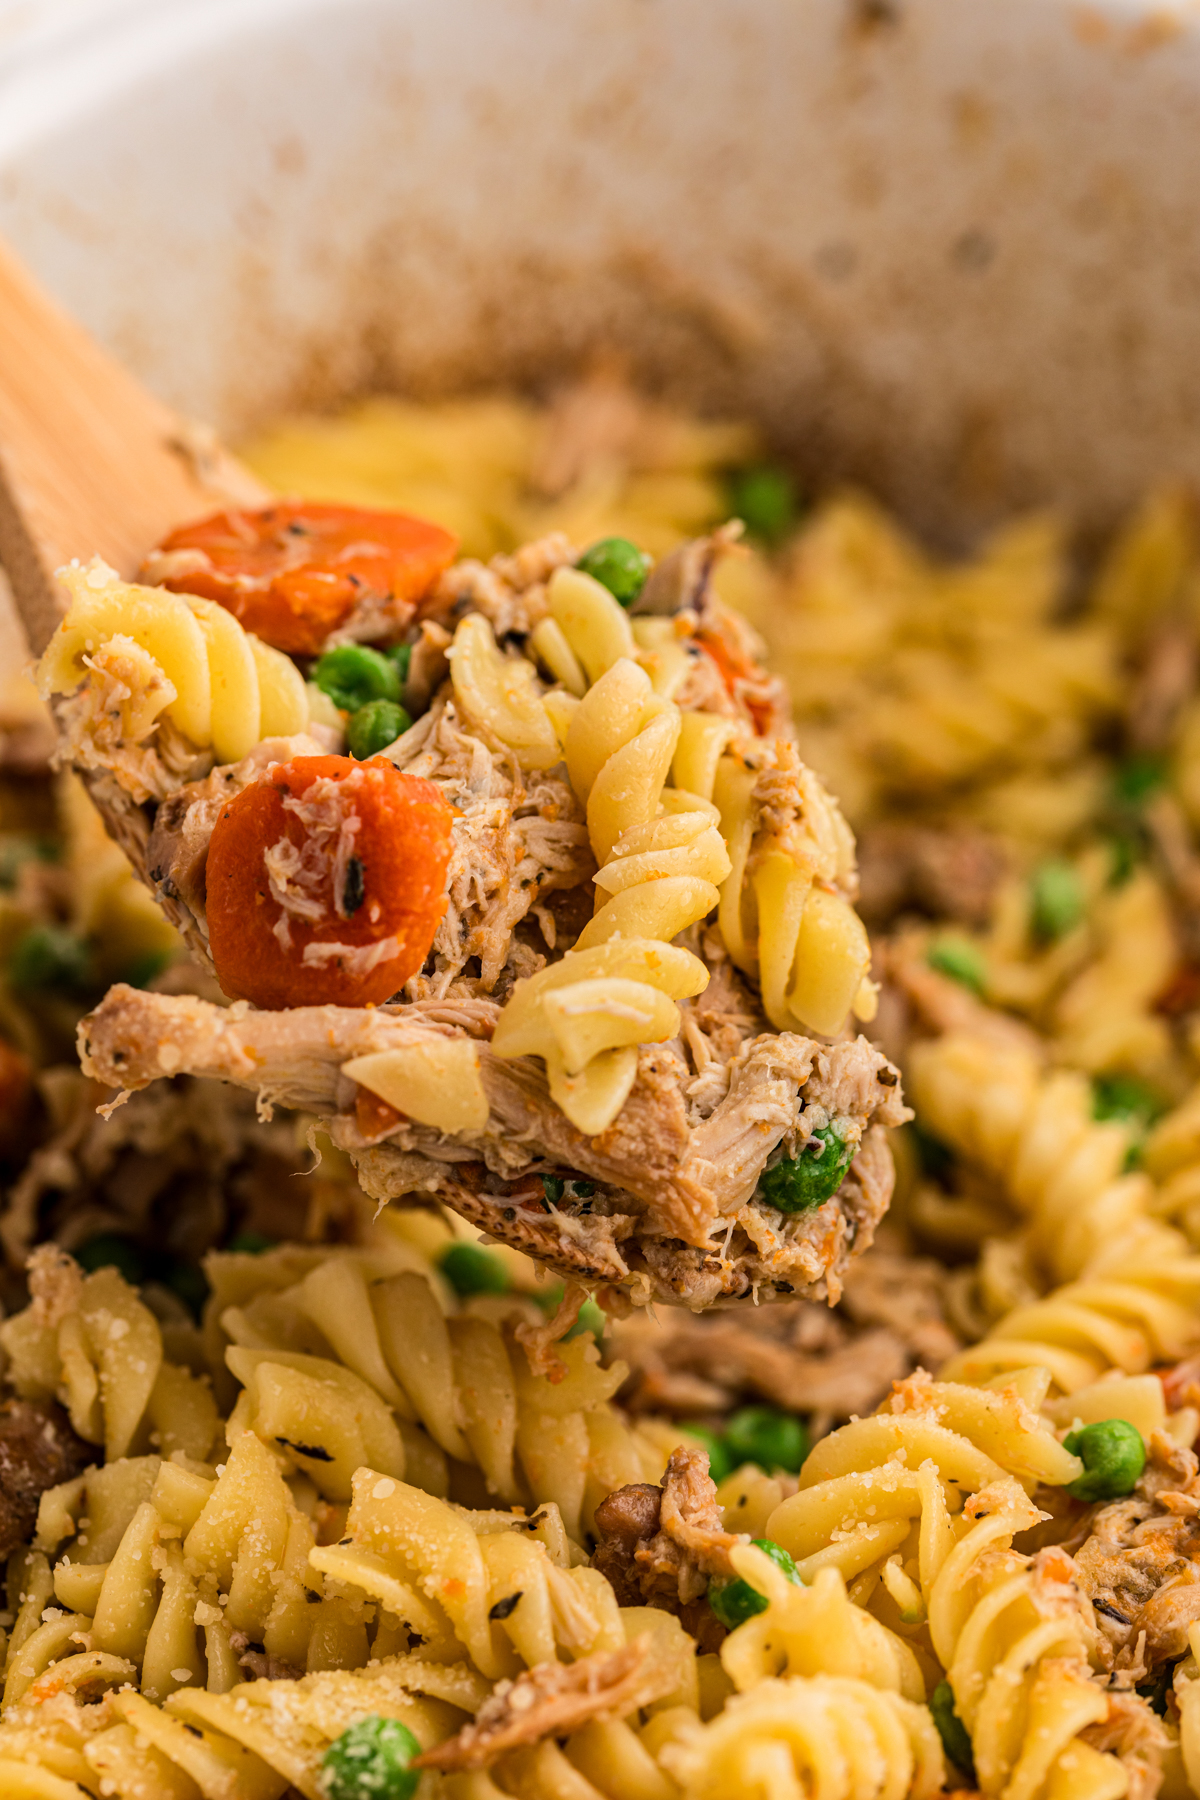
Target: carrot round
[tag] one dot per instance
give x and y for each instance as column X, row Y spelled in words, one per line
column 326, row 883
column 294, row 571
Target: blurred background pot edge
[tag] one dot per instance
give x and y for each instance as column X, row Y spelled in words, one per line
column 949, row 247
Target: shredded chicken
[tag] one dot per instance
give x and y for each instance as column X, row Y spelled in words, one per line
column 951, row 873
column 516, row 840
column 677, row 1217
column 178, row 1169
column 552, row 1700
column 1140, row 1564
column 806, row 1358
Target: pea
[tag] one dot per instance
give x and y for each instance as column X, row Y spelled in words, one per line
column 1136, row 779
column 470, row 1269
column 353, row 674
column 48, row 957
column 958, row 958
column 188, row 1280
column 765, row 499
column 374, row 726
column 736, row 1601
column 1058, row 900
column 250, row 1243
column 17, row 850
column 109, row 1250
column 401, row 656
column 953, row 1733
column 142, row 970
column 768, row 1437
column 1113, row 1457
column 800, row 1182
column 1127, row 851
column 617, row 565
column 371, row 1761
column 720, row 1463
column 1124, row 1097
column 591, row 1318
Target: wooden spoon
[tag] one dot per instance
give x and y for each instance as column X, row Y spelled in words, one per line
column 90, row 462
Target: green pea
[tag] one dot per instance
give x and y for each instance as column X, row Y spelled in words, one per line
column 1125, row 1097
column 371, row 1761
column 401, row 656
column 188, row 1280
column 720, row 1463
column 1137, row 778
column 958, row 958
column 591, row 1318
column 768, row 1437
column 1113, row 1456
column 19, row 848
column 48, row 957
column 765, row 499
column 1128, row 850
column 617, row 565
column 109, row 1250
column 470, row 1269
column 250, row 1243
column 374, row 726
column 799, row 1183
column 354, row 673
column 1058, row 899
column 736, row 1601
column 141, row 972
column 953, row 1733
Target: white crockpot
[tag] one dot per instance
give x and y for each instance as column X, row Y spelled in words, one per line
column 952, row 246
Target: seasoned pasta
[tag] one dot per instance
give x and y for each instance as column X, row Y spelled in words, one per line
column 364, row 1510
column 435, row 879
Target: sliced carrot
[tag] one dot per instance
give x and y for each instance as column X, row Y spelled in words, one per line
column 294, row 571
column 326, row 883
column 735, row 667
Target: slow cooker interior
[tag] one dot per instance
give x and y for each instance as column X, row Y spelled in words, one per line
column 939, row 244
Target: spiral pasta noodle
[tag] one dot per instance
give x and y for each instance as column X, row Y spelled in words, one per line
column 1012, row 1633
column 890, row 1484
column 1127, row 1289
column 828, row 1735
column 151, row 655
column 396, row 1378
column 813, row 1628
column 494, row 1587
column 586, row 1015
column 145, row 1556
column 93, row 1342
column 784, row 914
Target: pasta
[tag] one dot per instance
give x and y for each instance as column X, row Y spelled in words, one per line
column 887, row 1486
column 148, row 654
column 351, row 1491
column 828, row 1735
column 1017, row 1663
column 424, row 868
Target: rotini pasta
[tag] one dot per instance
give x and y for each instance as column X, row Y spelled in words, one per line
column 1013, row 1635
column 890, row 1483
column 827, row 1735
column 1128, row 1293
column 147, row 654
column 393, row 1361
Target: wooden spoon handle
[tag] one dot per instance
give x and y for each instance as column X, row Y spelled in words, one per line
column 90, row 462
